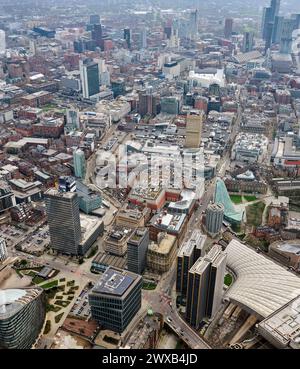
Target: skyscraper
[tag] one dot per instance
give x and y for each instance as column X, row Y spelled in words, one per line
column 94, row 19
column 116, row 298
column 214, row 218
column 193, row 129
column 64, row 221
column 79, row 163
column 248, row 42
column 187, row 255
column 127, row 37
column 286, row 39
column 143, row 38
column 89, row 76
column 2, row 42
column 22, row 314
column 205, row 286
column 228, row 27
column 277, row 29
column 97, row 34
column 268, row 20
column 137, row 247
column 194, row 23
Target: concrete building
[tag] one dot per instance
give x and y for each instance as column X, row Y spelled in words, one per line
column 187, row 255
column 79, row 163
column 3, row 250
column 228, row 28
column 194, row 122
column 137, row 247
column 161, row 254
column 22, row 314
column 287, row 253
column 64, row 221
column 170, row 105
column 282, row 327
column 132, row 218
column 205, row 286
column 248, row 42
column 115, row 241
column 116, row 299
column 89, row 76
column 250, row 148
column 214, row 218
column 2, row 42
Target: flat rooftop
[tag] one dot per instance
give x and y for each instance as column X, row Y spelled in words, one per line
column 282, row 328
column 115, row 282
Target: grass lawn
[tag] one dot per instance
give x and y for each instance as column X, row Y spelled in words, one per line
column 38, row 279
column 250, row 198
column 47, row 327
column 149, row 286
column 236, row 199
column 49, row 285
column 31, row 273
column 58, row 317
column 254, row 213
column 228, row 279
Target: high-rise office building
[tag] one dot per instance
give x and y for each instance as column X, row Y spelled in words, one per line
column 193, row 129
column 286, row 39
column 248, row 42
column 268, row 21
column 214, row 218
column 94, row 19
column 89, row 76
column 64, row 221
column 22, row 314
column 228, row 28
column 72, row 120
column 127, row 37
column 143, row 40
column 137, row 247
column 148, row 102
column 7, row 198
column 194, row 19
column 97, row 35
column 187, row 255
column 297, row 20
column 205, row 286
column 2, row 42
column 116, row 298
column 277, row 29
column 79, row 163
column 3, row 250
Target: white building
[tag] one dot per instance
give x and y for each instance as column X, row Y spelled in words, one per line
column 2, row 42
column 3, row 250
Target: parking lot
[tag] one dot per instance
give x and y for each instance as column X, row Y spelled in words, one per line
column 81, row 307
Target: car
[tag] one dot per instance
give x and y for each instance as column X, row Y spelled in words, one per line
column 169, row 319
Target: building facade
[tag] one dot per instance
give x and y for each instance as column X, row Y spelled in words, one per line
column 205, row 286
column 64, row 221
column 22, row 314
column 137, row 247
column 116, row 299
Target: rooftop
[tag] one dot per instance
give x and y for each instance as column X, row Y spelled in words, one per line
column 115, row 281
column 261, row 285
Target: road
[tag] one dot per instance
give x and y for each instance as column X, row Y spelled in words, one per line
column 161, row 298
